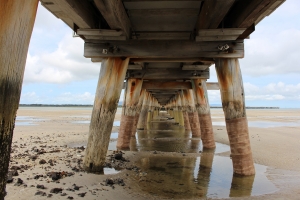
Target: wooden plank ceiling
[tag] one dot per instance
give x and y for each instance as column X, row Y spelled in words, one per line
column 166, row 40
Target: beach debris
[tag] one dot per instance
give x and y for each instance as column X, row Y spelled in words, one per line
column 82, row 194
column 63, row 194
column 19, row 182
column 56, row 190
column 49, row 195
column 10, row 178
column 40, row 186
column 70, row 197
column 42, row 161
column 41, row 193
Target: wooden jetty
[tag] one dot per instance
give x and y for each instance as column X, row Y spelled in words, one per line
column 163, row 49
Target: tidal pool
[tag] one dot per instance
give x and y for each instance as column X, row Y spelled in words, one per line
column 263, row 124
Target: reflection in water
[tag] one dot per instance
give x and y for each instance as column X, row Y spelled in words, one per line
column 208, row 176
column 188, row 176
column 241, row 186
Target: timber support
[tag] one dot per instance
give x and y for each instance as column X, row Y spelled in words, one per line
column 111, row 78
column 129, row 112
column 233, row 102
column 192, row 113
column 203, row 109
column 16, row 24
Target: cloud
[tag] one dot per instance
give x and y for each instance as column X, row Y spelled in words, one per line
column 65, row 64
column 274, row 54
column 63, row 98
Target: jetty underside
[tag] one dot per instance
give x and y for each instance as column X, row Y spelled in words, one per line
column 163, row 49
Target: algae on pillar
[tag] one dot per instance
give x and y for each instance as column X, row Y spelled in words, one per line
column 129, row 111
column 203, row 109
column 233, row 102
column 16, row 24
column 111, row 78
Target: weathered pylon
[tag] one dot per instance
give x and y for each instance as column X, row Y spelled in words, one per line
column 16, row 24
column 203, row 109
column 179, row 108
column 111, row 78
column 233, row 102
column 184, row 112
column 142, row 123
column 129, row 111
column 139, row 108
column 192, row 113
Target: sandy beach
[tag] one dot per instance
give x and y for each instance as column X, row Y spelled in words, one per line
column 47, row 143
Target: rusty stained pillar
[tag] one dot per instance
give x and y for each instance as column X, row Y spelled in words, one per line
column 138, row 111
column 129, row 111
column 192, row 113
column 16, row 24
column 107, row 96
column 142, row 123
column 233, row 102
column 184, row 112
column 175, row 110
column 203, row 109
column 180, row 113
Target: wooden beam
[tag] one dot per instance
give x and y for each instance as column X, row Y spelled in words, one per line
column 195, row 67
column 99, row 32
column 164, row 11
column 162, row 35
column 167, row 74
column 212, row 13
column 163, row 49
column 94, row 60
column 135, row 67
column 212, row 86
column 174, row 85
column 115, row 15
column 73, row 12
column 219, row 34
column 187, row 60
column 245, row 13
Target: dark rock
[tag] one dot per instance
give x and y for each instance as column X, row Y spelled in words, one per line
column 10, row 179
column 40, row 193
column 75, row 187
column 33, row 158
column 20, row 181
column 15, row 173
column 42, row 161
column 82, row 194
column 50, row 195
column 63, row 194
column 109, row 181
column 14, row 168
column 40, row 186
column 69, row 197
column 56, row 190
column 118, row 156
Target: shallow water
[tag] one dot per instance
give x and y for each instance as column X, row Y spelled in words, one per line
column 27, row 121
column 263, row 124
column 183, row 176
column 208, row 176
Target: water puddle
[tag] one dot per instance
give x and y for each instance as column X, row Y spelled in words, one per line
column 27, row 121
column 263, row 124
column 195, row 177
column 107, row 170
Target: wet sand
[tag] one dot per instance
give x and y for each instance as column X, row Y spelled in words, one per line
column 51, row 133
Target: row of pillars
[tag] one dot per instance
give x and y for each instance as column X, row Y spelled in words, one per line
column 16, row 24
column 190, row 108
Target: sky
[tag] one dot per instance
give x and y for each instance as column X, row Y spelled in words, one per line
column 57, row 73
